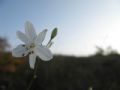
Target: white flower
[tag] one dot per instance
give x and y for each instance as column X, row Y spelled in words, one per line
column 33, row 45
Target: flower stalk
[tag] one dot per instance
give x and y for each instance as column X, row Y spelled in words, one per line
column 34, row 74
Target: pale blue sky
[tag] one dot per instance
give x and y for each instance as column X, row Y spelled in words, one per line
column 82, row 24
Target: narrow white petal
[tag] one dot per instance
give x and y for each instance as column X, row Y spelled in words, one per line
column 20, row 51
column 32, row 59
column 30, row 31
column 22, row 37
column 43, row 52
column 41, row 37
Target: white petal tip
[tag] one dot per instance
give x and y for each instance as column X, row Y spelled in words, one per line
column 15, row 55
column 32, row 60
column 27, row 22
column 31, row 67
column 48, row 58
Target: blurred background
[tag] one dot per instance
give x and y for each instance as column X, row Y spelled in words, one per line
column 86, row 49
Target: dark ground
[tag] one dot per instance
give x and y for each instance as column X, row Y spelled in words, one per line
column 68, row 73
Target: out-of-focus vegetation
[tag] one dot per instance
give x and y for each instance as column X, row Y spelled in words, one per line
column 99, row 71
column 4, row 45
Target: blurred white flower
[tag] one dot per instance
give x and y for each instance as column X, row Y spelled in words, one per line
column 33, row 45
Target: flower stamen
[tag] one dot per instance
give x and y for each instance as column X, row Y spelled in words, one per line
column 32, row 45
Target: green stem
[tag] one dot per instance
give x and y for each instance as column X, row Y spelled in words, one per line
column 49, row 42
column 34, row 75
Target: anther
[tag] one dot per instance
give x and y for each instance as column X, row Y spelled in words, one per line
column 23, row 45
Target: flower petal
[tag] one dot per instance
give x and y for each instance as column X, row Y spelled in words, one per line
column 43, row 52
column 41, row 37
column 30, row 31
column 32, row 59
column 22, row 37
column 20, row 51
